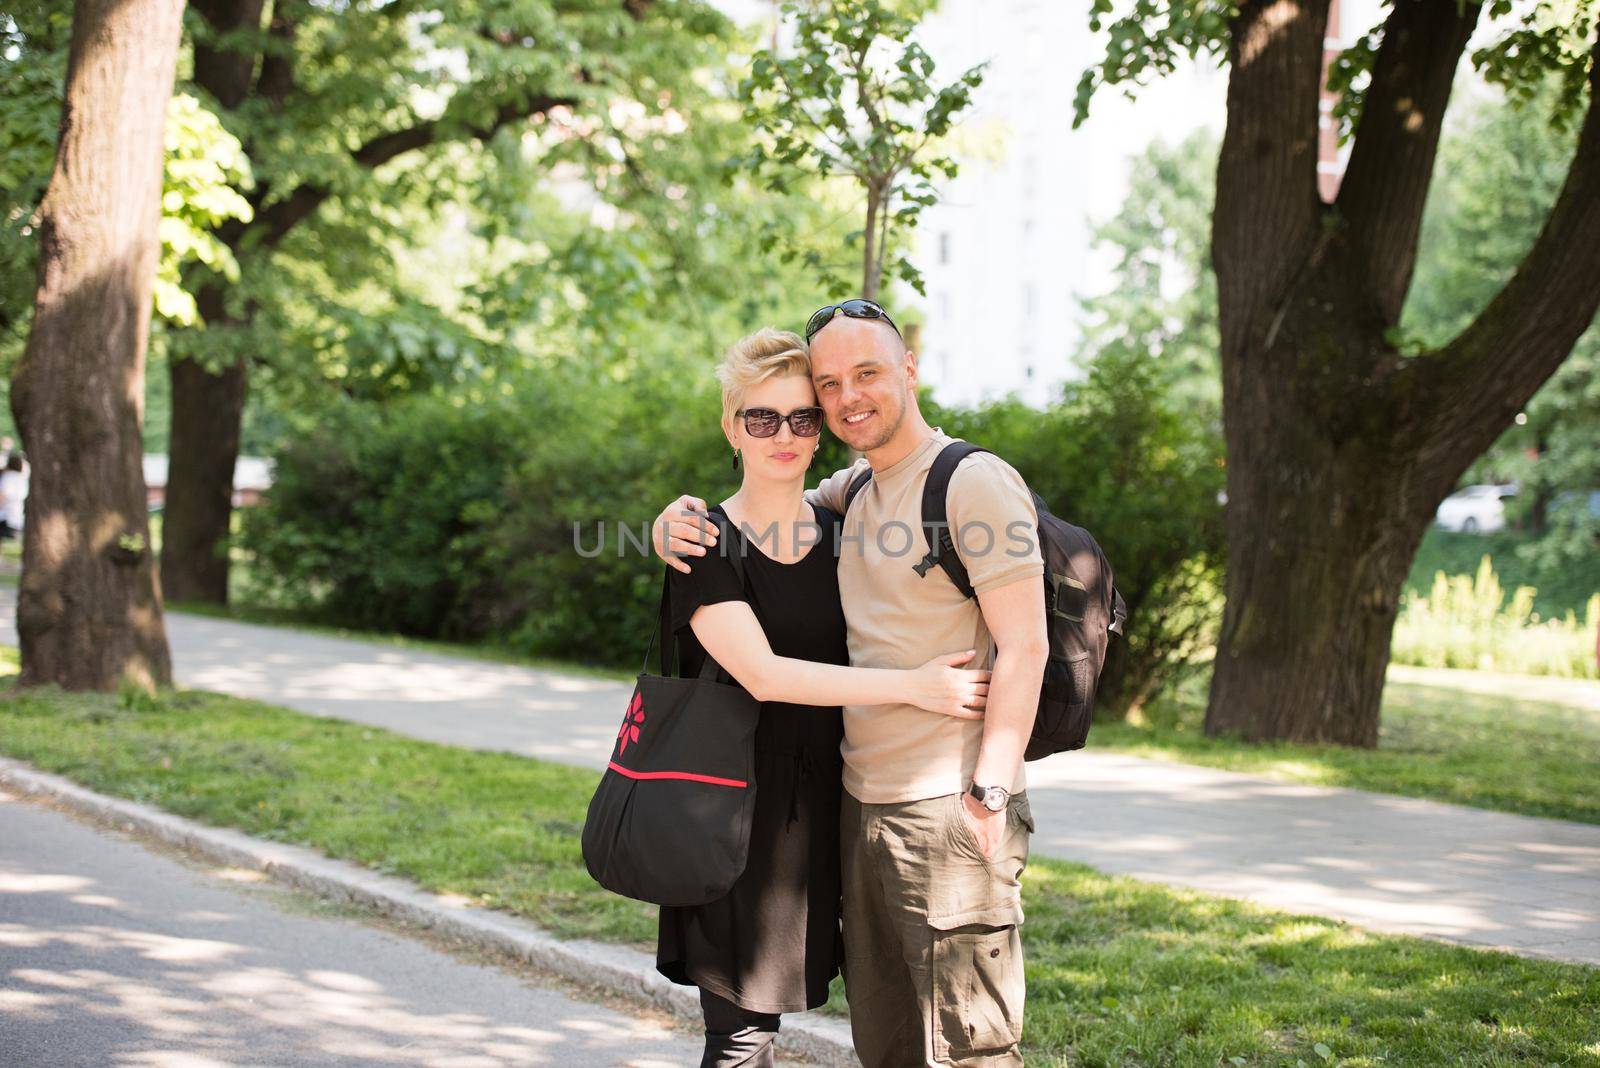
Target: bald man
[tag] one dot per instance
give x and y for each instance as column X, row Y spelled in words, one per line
column 935, row 819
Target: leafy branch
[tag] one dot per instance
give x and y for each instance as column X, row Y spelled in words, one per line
column 856, row 97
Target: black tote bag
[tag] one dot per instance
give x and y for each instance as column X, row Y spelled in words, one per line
column 670, row 821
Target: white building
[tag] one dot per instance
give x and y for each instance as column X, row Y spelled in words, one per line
column 1006, row 254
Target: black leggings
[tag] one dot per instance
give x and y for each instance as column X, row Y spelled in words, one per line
column 735, row 1037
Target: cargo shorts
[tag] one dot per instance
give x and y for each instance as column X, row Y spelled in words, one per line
column 933, row 956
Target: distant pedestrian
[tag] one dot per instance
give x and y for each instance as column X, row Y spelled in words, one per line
column 7, row 447
column 13, row 496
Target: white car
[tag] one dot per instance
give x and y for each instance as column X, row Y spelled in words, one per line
column 1475, row 510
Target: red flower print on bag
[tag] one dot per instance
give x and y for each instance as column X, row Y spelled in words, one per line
column 632, row 720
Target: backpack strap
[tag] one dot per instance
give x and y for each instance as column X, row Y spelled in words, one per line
column 936, row 516
column 857, row 484
column 832, row 524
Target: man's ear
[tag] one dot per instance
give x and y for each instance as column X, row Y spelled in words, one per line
column 911, row 370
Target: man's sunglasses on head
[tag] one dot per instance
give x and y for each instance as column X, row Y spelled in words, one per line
column 855, row 309
column 764, row 422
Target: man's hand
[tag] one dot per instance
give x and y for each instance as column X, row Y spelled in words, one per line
column 682, row 529
column 988, row 828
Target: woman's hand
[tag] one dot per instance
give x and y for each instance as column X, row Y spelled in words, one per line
column 942, row 686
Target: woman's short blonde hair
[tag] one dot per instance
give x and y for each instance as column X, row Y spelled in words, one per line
column 756, row 357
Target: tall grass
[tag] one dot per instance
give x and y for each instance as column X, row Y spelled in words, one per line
column 1469, row 623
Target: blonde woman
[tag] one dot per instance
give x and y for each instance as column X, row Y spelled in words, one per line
column 771, row 945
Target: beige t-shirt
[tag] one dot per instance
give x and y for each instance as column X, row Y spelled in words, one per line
column 897, row 619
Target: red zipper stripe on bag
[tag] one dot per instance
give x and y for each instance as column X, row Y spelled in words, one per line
column 687, row 776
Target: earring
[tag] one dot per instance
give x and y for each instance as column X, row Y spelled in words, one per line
column 736, row 459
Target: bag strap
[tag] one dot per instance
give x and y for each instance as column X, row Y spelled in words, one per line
column 669, row 644
column 936, row 516
column 857, row 484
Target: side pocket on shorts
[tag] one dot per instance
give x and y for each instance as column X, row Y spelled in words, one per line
column 978, row 989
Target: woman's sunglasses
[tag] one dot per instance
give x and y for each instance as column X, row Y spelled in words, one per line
column 855, row 309
column 764, row 422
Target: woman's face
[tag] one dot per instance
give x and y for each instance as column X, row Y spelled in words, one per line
column 785, row 455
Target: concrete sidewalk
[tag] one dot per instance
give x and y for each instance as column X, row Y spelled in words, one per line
column 115, row 954
column 150, row 904
column 1386, row 863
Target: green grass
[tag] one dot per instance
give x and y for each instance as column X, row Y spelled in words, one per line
column 1560, row 590
column 1497, row 751
column 1120, row 972
column 1475, row 622
column 10, row 561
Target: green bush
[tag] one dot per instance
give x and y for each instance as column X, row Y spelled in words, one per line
column 376, row 519
column 1119, row 457
column 1467, row 623
column 464, row 518
column 1564, row 581
column 517, row 515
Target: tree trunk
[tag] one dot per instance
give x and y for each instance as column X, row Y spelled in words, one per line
column 1339, row 446
column 207, row 413
column 1325, row 506
column 1324, row 517
column 1538, row 514
column 207, row 405
column 236, row 68
column 89, row 604
column 871, row 270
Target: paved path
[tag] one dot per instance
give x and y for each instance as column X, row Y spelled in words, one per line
column 114, row 956
column 1387, row 863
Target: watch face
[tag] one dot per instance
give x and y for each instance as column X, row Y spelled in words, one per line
column 994, row 800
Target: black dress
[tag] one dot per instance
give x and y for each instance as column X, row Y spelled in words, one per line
column 772, row 945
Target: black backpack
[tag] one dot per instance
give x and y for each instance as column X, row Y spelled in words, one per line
column 1082, row 605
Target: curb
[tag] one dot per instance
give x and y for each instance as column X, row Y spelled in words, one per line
column 619, row 969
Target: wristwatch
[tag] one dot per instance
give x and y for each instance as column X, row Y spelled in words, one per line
column 993, row 798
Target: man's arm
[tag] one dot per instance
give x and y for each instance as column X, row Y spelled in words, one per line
column 683, row 529
column 1015, row 615
column 988, row 506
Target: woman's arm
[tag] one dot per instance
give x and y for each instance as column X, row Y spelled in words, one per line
column 730, row 632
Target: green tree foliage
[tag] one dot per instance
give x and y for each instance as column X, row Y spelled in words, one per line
column 511, row 510
column 205, row 174
column 33, row 65
column 205, row 170
column 1147, row 40
column 1501, row 167
column 1123, row 454
column 1500, row 170
column 855, row 97
column 478, row 514
column 1153, row 401
column 1342, row 434
column 386, row 122
column 1162, row 300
